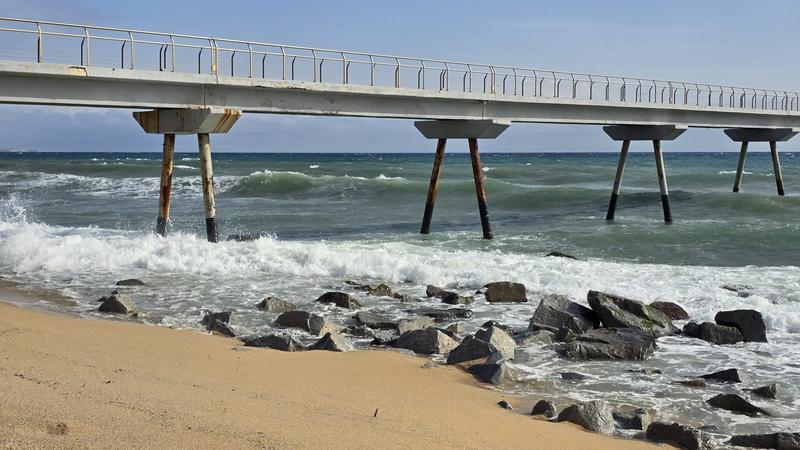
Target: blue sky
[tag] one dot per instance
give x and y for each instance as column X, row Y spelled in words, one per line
column 726, row 42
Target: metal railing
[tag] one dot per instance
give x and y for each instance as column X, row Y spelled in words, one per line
column 135, row 49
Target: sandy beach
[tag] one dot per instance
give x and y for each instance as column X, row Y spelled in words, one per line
column 74, row 383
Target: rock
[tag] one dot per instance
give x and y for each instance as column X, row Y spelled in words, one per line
column 218, row 326
column 594, row 415
column 471, row 348
column 691, row 329
column 735, row 404
column 770, row 391
column 693, row 383
column 332, row 342
column 493, row 372
column 440, row 315
column 646, row 371
column 435, row 291
column 638, row 419
column 564, row 334
column 572, row 376
column 748, row 321
column 241, row 237
column 417, row 323
column 449, row 333
column 455, row 328
column 505, row 405
column 380, row 290
column 426, row 342
column 556, row 312
column 673, row 310
column 544, row 408
column 500, row 340
column 742, row 290
column 405, row 298
column 493, row 323
column 222, row 316
column 130, row 282
column 275, row 341
column 538, row 337
column 451, row 298
column 375, row 321
column 610, row 343
column 339, row 299
column 620, row 312
column 558, row 254
column 679, row 435
column 718, row 334
column 727, row 376
column 505, row 292
column 275, row 305
column 780, row 441
column 117, row 304
column 307, row 321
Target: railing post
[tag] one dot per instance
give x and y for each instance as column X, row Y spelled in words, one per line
column 39, row 49
column 172, row 42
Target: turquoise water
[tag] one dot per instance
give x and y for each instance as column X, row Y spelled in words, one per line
column 73, row 224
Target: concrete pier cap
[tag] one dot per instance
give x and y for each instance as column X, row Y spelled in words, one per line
column 644, row 132
column 461, row 129
column 188, row 120
column 761, row 134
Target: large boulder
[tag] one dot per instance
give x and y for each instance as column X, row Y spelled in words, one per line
column 275, row 341
column 620, row 312
column 275, row 305
column 505, row 292
column 594, row 415
column 471, row 348
column 381, row 290
column 538, row 337
column 673, row 310
column 340, row 299
column 222, row 316
column 441, row 315
column 637, row 419
column 556, row 312
column 117, row 304
column 491, row 372
column 130, row 282
column 769, row 391
column 452, row 298
column 736, row 404
column 679, row 435
column 427, row 342
column 778, row 441
column 435, row 291
column 748, row 321
column 544, row 408
column 713, row 333
column 332, row 342
column 610, row 343
column 499, row 339
column 726, row 376
column 306, row 321
column 416, row 323
column 218, row 322
column 375, row 321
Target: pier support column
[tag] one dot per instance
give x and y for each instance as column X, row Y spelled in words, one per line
column 771, row 135
column 612, row 204
column 737, row 182
column 472, row 130
column 477, row 173
column 199, row 121
column 166, row 183
column 654, row 133
column 434, row 186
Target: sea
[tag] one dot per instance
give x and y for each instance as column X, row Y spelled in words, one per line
column 72, row 224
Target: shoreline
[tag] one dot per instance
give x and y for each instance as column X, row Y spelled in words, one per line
column 75, row 382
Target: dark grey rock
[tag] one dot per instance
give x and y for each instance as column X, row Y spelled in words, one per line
column 242, row 237
column 130, row 282
column 572, row 376
column 679, row 435
column 493, row 372
column 779, row 441
column 544, row 408
column 470, row 349
column 736, row 404
column 646, row 371
column 505, row 405
column 748, row 321
column 452, row 298
column 556, row 312
column 500, row 340
column 381, row 290
column 620, row 312
column 493, row 323
column 558, row 254
column 435, row 291
column 718, row 334
column 449, row 333
column 564, row 334
column 727, row 376
column 610, row 343
column 375, row 321
column 637, row 419
column 218, row 326
column 275, row 341
column 417, row 323
column 769, row 391
column 406, row 298
column 440, row 315
column 455, row 328
column 673, row 310
column 275, row 305
column 340, row 299
column 505, row 292
column 222, row 316
column 538, row 337
column 117, row 304
column 693, row 383
column 304, row 320
column 426, row 342
column 332, row 342
column 594, row 415
column 742, row 290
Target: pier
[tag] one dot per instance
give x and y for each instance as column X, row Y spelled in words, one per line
column 200, row 85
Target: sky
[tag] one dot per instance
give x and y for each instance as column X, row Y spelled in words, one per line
column 725, row 42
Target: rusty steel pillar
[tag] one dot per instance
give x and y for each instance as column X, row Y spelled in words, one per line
column 776, row 166
column 166, row 183
column 612, row 204
column 737, row 182
column 477, row 173
column 662, row 180
column 434, row 186
column 207, row 175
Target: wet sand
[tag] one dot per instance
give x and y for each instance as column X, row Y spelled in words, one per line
column 76, row 383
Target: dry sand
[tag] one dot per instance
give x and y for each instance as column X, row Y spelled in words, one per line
column 77, row 383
